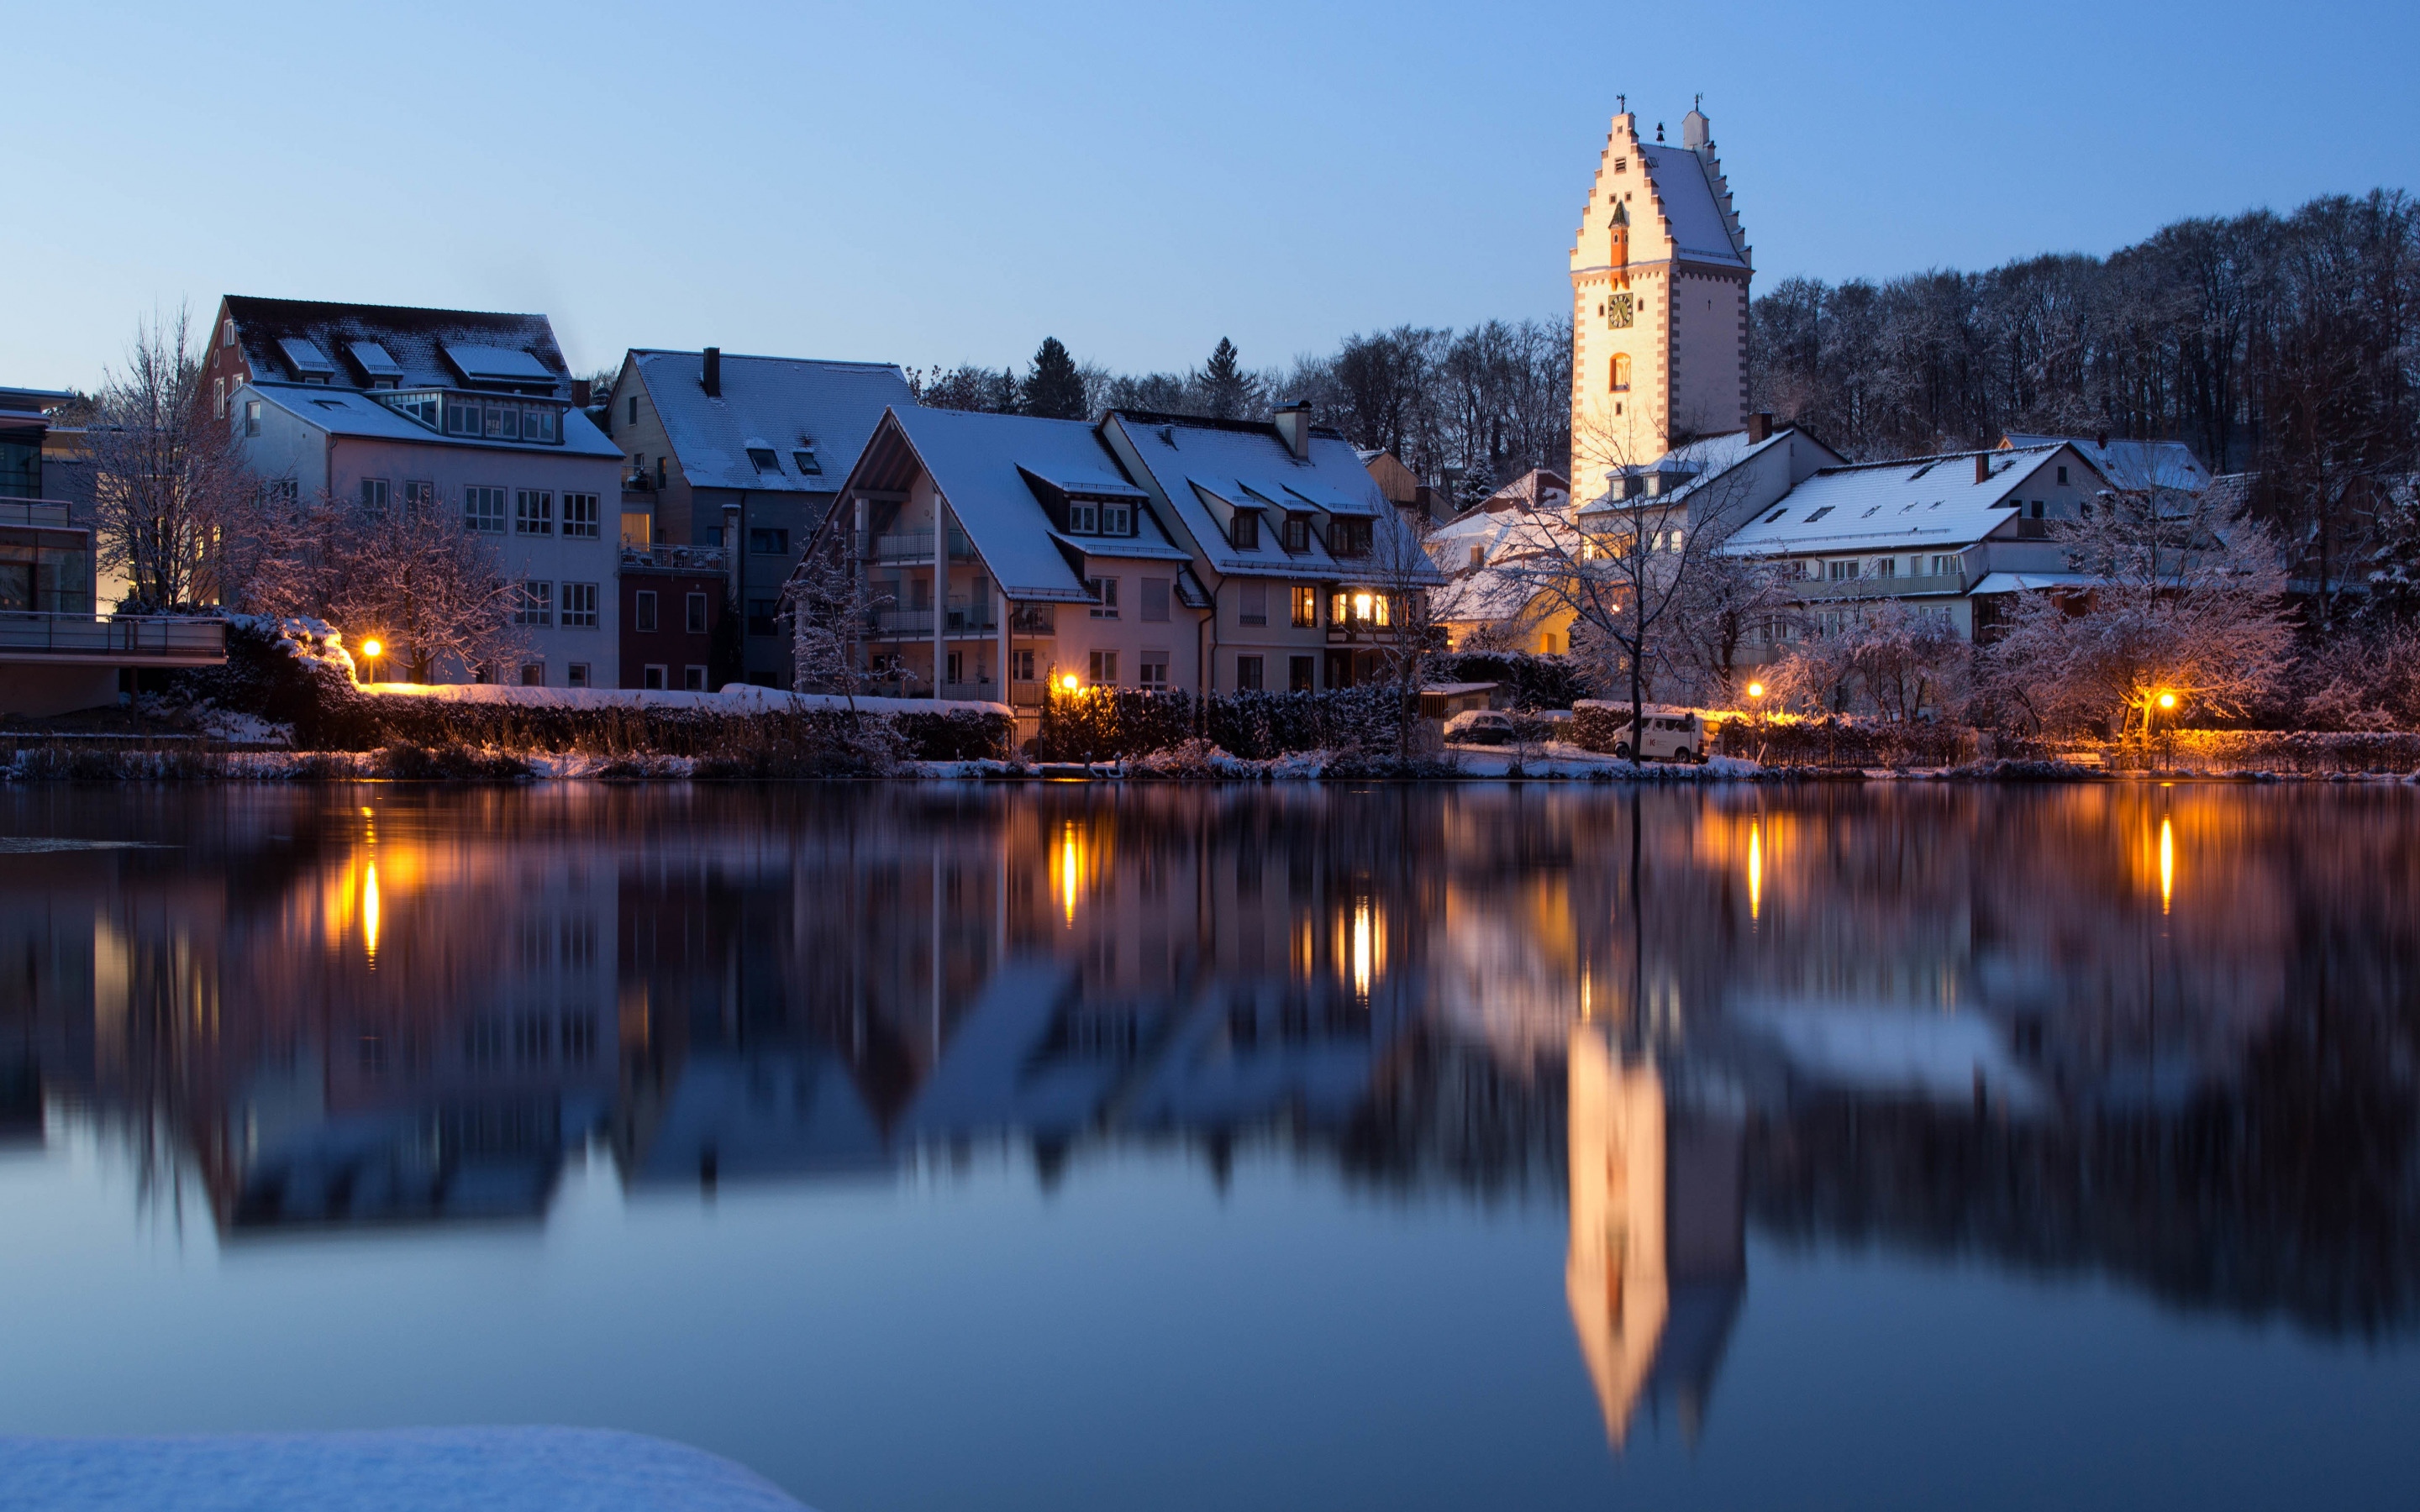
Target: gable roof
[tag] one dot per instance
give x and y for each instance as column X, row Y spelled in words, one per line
column 1200, row 466
column 1700, row 229
column 1697, row 464
column 2130, row 464
column 782, row 405
column 1913, row 502
column 275, row 333
column 351, row 412
column 987, row 468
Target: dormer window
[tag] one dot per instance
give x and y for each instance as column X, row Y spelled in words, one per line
column 1117, row 520
column 762, row 459
column 1297, row 533
column 1244, row 534
column 1083, row 518
column 807, row 465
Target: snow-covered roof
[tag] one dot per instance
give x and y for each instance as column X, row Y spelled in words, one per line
column 481, row 363
column 2129, row 464
column 350, row 412
column 2017, row 582
column 1249, row 466
column 1698, row 228
column 1700, row 461
column 1913, row 503
column 1486, row 596
column 783, row 405
column 985, row 466
column 413, row 340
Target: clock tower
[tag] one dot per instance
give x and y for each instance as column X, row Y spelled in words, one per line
column 1660, row 274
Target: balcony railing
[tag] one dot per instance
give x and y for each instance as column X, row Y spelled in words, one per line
column 44, row 514
column 689, row 558
column 1879, row 587
column 109, row 637
column 901, row 621
column 915, row 545
column 1026, row 693
column 1033, row 619
column 967, row 616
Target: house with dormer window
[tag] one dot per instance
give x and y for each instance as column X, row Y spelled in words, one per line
column 470, row 414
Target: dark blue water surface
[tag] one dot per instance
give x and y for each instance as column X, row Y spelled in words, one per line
column 1073, row 1147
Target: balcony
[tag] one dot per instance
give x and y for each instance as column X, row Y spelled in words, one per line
column 678, row 558
column 38, row 513
column 900, row 622
column 112, row 639
column 1897, row 587
column 972, row 617
column 1027, row 693
column 915, row 545
column 1033, row 619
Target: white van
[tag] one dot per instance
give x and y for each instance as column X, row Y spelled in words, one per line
column 1675, row 735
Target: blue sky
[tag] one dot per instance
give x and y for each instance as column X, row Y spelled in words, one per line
column 947, row 182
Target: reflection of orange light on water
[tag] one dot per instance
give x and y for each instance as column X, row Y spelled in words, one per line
column 1362, row 950
column 1755, row 872
column 1069, row 865
column 370, row 913
column 2167, row 865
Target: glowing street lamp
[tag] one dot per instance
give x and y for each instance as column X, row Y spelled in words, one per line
column 2167, row 700
column 371, row 648
column 1072, row 682
column 1756, row 690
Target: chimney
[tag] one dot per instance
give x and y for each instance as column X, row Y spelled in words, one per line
column 580, row 395
column 1982, row 467
column 1294, row 424
column 714, row 372
column 1759, row 427
column 2101, row 440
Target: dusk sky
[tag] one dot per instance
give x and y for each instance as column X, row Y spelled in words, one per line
column 947, row 183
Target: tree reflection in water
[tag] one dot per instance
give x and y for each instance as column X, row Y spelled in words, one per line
column 2166, row 1034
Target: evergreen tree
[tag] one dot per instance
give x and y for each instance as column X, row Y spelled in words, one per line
column 1226, row 388
column 1053, row 389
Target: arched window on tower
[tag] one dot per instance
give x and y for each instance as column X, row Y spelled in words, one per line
column 1621, row 372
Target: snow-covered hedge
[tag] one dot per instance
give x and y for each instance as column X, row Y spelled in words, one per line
column 1841, row 742
column 1106, row 724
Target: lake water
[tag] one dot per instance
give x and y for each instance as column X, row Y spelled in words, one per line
column 1072, row 1147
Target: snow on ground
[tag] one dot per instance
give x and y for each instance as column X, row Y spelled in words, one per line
column 1557, row 758
column 736, row 699
column 412, row 1469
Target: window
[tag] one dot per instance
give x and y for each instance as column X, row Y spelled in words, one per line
column 2038, row 509
column 227, row 334
column 374, row 493
column 483, row 509
column 1117, row 520
column 696, row 612
column 2062, row 473
column 1819, row 514
column 643, row 611
column 1299, row 674
column 537, row 605
column 762, row 459
column 580, row 517
column 1886, row 567
column 533, row 512
column 769, row 543
column 1247, row 674
column 654, row 676
column 1297, row 533
column 252, row 417
column 1155, row 599
column 761, row 613
column 955, row 668
column 1151, row 672
column 218, row 397
column 533, row 675
column 1252, row 604
column 1306, row 607
column 1774, row 517
column 1478, row 556
column 1244, row 534
column 1105, row 596
column 419, row 493
column 1103, row 668
column 1021, row 666
column 1943, row 565
column 1841, row 571
column 576, row 674
column 634, row 420
column 806, row 463
column 693, row 678
column 579, row 606
column 1619, row 381
column 1349, row 538
column 1083, row 518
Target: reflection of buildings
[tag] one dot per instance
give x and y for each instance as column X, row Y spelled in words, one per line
column 1657, row 1263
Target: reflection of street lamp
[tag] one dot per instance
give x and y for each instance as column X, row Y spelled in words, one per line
column 370, row 649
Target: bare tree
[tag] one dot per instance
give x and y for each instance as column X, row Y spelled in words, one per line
column 170, row 485
column 1407, row 582
column 832, row 604
column 412, row 574
column 2183, row 612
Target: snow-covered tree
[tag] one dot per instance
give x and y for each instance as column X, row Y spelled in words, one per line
column 169, row 483
column 832, row 604
column 1226, row 390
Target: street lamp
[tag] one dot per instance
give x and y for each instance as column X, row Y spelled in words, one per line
column 1072, row 682
column 370, row 649
column 2167, row 700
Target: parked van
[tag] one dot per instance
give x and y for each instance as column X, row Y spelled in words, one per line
column 1670, row 735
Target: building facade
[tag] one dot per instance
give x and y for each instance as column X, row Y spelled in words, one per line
column 1660, row 271
column 467, row 414
column 744, row 454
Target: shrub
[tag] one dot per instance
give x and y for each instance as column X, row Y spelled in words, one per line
column 1531, row 681
column 1105, row 724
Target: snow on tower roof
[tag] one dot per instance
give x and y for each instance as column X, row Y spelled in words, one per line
column 1699, row 229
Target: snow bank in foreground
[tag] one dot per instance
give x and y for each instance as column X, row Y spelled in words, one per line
column 736, row 699
column 416, row 1470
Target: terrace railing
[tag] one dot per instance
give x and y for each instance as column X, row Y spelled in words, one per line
column 162, row 638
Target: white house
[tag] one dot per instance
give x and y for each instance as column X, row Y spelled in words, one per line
column 460, row 412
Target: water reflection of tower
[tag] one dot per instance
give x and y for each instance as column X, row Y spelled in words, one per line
column 1657, row 1266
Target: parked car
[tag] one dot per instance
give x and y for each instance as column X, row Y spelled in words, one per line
column 1480, row 727
column 1677, row 737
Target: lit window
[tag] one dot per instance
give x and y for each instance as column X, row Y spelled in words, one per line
column 1306, row 607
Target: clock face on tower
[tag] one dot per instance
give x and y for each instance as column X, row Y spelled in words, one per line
column 1618, row 310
